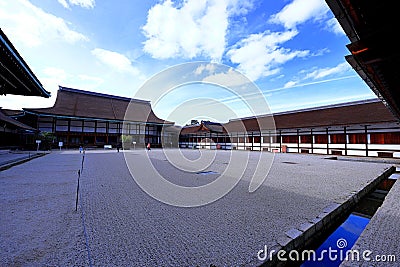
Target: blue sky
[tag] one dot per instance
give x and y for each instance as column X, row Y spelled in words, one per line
column 293, row 51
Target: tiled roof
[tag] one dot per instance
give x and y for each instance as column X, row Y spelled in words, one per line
column 4, row 119
column 360, row 112
column 203, row 127
column 16, row 77
column 78, row 103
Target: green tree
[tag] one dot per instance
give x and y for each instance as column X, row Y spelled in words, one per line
column 47, row 139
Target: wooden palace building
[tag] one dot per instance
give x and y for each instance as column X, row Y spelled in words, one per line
column 16, row 78
column 90, row 119
column 361, row 128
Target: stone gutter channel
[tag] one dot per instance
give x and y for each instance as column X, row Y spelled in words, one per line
column 307, row 233
column 11, row 163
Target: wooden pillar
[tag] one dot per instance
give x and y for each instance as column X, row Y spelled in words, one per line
column 107, row 128
column 327, row 141
column 83, row 125
column 244, row 140
column 280, row 140
column 345, row 142
column 53, row 125
column 237, row 140
column 312, row 141
column 225, row 140
column 366, row 140
column 298, row 140
column 68, row 132
column 270, row 141
column 210, row 140
column 252, row 141
column 95, row 132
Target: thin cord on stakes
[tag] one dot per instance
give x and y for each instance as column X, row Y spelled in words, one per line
column 77, row 191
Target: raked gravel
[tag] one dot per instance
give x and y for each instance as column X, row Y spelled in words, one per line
column 127, row 227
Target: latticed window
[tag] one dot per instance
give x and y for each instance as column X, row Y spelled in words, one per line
column 358, row 138
column 338, row 138
column 385, row 138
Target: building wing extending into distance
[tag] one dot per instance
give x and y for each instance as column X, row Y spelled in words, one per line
column 83, row 118
column 363, row 128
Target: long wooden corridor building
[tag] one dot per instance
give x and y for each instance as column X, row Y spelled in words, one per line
column 84, row 118
column 361, row 128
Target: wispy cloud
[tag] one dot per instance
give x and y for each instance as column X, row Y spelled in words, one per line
column 295, row 84
column 322, row 73
column 333, row 25
column 32, row 26
column 340, row 69
column 300, row 11
column 115, row 60
column 82, row 3
column 231, row 78
column 268, row 93
column 260, row 55
column 292, row 105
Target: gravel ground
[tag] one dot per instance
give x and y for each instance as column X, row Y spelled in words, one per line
column 127, row 227
column 38, row 222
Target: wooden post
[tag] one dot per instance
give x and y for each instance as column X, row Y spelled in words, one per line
column 77, row 191
column 270, row 141
column 298, row 140
column 312, row 141
column 252, row 141
column 327, row 141
column 366, row 140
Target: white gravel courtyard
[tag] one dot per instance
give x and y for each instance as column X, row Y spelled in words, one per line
column 118, row 224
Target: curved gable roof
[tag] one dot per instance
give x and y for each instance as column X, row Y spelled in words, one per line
column 79, row 103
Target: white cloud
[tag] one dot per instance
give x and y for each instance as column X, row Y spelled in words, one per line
column 53, row 77
column 290, row 84
column 299, row 11
column 209, row 68
column 231, row 78
column 240, row 7
column 259, row 55
column 63, row 3
column 94, row 79
column 115, row 60
column 32, row 26
column 318, row 74
column 295, row 84
column 333, row 25
column 322, row 73
column 55, row 73
column 196, row 28
column 81, row 3
column 318, row 102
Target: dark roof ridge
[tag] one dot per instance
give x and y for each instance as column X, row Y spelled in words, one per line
column 338, row 105
column 79, row 91
column 4, row 39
